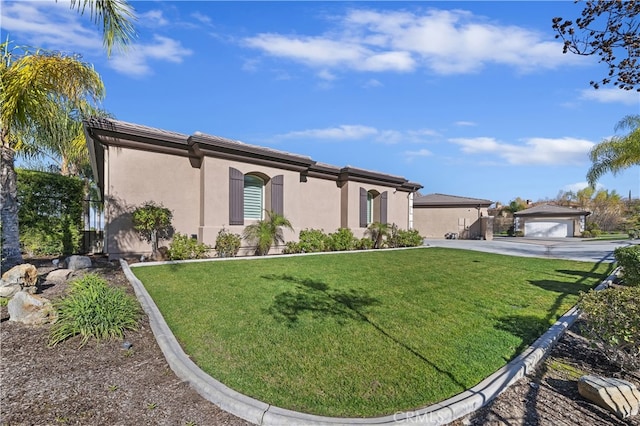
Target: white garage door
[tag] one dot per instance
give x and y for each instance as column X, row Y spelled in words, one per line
column 548, row 228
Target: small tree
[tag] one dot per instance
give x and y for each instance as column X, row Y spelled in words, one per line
column 378, row 232
column 266, row 232
column 153, row 222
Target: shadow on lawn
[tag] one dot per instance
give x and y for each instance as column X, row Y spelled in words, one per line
column 317, row 298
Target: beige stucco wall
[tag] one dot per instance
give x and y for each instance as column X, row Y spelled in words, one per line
column 133, row 177
column 435, row 222
column 199, row 198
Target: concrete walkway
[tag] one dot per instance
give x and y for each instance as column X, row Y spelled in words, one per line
column 560, row 248
column 442, row 413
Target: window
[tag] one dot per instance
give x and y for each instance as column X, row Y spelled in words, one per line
column 373, row 207
column 251, row 194
column 253, row 197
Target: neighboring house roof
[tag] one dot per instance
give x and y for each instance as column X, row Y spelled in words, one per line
column 443, row 200
column 551, row 210
column 105, row 131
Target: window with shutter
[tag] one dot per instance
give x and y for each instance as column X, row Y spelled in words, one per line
column 277, row 194
column 253, row 197
column 363, row 208
column 383, row 207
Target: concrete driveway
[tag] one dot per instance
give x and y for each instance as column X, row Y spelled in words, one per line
column 560, row 248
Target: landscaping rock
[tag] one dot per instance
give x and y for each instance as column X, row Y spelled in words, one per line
column 31, row 309
column 58, row 276
column 25, row 274
column 618, row 396
column 76, row 262
column 9, row 290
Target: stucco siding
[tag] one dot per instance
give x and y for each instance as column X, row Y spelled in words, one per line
column 134, row 177
column 435, row 222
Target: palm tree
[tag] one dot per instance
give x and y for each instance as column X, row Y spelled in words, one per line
column 617, row 153
column 116, row 18
column 266, row 232
column 378, row 232
column 34, row 87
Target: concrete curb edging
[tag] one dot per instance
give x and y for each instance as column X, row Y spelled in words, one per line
column 262, row 413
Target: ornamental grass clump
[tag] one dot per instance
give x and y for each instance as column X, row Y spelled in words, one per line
column 93, row 309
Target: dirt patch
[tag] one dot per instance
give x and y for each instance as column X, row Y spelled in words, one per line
column 103, row 384
column 98, row 384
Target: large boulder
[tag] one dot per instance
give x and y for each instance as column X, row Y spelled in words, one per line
column 618, row 396
column 31, row 309
column 58, row 276
column 76, row 262
column 25, row 274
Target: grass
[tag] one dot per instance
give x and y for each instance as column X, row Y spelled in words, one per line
column 363, row 334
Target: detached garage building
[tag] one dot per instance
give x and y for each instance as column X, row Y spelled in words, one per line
column 549, row 221
column 436, row 215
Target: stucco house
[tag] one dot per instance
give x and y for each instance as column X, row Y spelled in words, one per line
column 211, row 182
column 549, row 221
column 439, row 215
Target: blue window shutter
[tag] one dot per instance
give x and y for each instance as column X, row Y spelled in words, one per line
column 236, row 197
column 277, row 194
column 383, row 207
column 363, row 208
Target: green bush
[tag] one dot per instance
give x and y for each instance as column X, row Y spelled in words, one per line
column 612, row 323
column 341, row 240
column 587, row 234
column 404, row 238
column 634, row 233
column 364, row 244
column 93, row 309
column 227, row 244
column 50, row 212
column 313, row 241
column 628, row 259
column 291, row 248
column 183, row 247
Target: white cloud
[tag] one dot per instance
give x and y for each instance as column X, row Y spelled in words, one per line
column 534, row 151
column 136, row 61
column 443, row 41
column 412, row 155
column 201, row 17
column 50, row 25
column 372, row 83
column 360, row 132
column 579, row 186
column 465, row 123
column 326, row 75
column 612, row 95
column 152, row 18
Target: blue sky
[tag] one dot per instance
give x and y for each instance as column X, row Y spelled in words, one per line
column 468, row 98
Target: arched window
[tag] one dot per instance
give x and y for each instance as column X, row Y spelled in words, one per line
column 253, row 197
column 373, row 207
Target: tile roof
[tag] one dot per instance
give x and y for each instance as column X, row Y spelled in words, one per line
column 551, row 210
column 449, row 200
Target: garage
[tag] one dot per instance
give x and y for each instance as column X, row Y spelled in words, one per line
column 549, row 228
column 550, row 221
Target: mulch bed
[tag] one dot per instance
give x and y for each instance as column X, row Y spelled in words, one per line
column 103, row 384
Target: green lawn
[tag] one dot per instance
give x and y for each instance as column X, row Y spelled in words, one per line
column 363, row 334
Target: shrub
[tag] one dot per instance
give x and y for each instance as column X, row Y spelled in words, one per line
column 341, row 240
column 634, row 233
column 50, row 212
column 267, row 232
column 364, row 244
column 93, row 309
column 291, row 248
column 612, row 322
column 404, row 238
column 227, row 244
column 587, row 234
column 628, row 259
column 313, row 241
column 182, row 247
